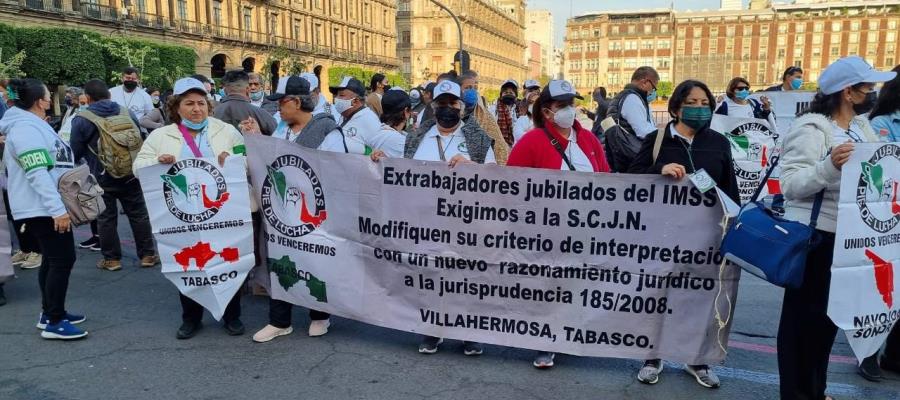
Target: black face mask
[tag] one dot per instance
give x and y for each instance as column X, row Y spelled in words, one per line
column 508, row 100
column 447, row 117
column 867, row 105
column 130, row 85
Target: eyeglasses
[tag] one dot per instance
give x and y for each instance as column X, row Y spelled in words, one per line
column 286, row 99
column 651, row 84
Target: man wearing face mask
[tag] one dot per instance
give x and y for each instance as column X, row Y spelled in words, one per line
column 360, row 124
column 506, row 110
column 791, row 79
column 477, row 113
column 130, row 96
column 257, row 94
column 235, row 106
column 630, row 111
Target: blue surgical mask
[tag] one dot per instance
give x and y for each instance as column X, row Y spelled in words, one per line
column 796, row 83
column 652, row 96
column 256, row 96
column 742, row 94
column 195, row 126
column 82, row 108
column 470, row 97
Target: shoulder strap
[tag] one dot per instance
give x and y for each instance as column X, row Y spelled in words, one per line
column 766, row 179
column 817, row 206
column 559, row 149
column 343, row 138
column 657, row 145
column 90, row 116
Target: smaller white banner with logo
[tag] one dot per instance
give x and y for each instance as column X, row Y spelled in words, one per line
column 863, row 300
column 200, row 213
column 787, row 106
column 754, row 145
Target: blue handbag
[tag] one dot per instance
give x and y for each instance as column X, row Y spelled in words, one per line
column 769, row 246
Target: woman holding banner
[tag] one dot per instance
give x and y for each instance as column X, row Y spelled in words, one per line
column 819, row 144
column 557, row 142
column 447, row 139
column 688, row 148
column 193, row 134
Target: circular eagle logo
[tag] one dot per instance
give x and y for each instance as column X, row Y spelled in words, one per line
column 195, row 190
column 876, row 190
column 289, row 189
column 754, row 147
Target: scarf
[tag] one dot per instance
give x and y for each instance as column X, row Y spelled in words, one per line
column 505, row 122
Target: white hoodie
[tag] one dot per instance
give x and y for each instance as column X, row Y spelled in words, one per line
column 35, row 158
column 807, row 169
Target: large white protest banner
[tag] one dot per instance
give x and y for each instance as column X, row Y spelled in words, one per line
column 200, row 213
column 867, row 248
column 754, row 145
column 588, row 264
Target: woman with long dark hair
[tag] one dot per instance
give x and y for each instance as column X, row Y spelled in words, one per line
column 36, row 158
column 885, row 117
column 819, row 144
column 688, row 147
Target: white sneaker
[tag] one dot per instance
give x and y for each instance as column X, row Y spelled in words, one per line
column 32, row 261
column 319, row 328
column 19, row 258
column 271, row 332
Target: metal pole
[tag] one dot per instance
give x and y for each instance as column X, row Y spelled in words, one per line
column 455, row 19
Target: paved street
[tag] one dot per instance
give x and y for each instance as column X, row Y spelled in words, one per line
column 132, row 353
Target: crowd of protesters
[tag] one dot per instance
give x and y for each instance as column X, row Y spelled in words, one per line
column 447, row 121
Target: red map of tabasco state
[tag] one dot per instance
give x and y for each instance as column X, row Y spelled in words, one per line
column 202, row 253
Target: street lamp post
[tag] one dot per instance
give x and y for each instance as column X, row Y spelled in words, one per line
column 461, row 59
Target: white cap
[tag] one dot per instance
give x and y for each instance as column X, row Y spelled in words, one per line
column 282, row 84
column 398, row 88
column 312, row 79
column 511, row 81
column 185, row 84
column 345, row 82
column 415, row 94
column 849, row 71
column 562, row 90
column 531, row 83
column 447, row 88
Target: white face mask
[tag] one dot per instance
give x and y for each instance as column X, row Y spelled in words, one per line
column 565, row 117
column 342, row 105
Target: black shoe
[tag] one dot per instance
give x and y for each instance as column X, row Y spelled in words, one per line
column 188, row 330
column 92, row 243
column 869, row 369
column 234, row 327
column 890, row 365
column 2, row 296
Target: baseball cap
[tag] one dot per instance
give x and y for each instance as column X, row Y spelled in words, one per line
column 532, row 84
column 446, row 88
column 415, row 93
column 349, row 83
column 849, row 71
column 562, row 90
column 184, row 85
column 394, row 101
column 290, row 86
column 429, row 88
column 312, row 79
column 510, row 82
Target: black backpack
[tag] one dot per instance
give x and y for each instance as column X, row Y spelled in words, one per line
column 620, row 145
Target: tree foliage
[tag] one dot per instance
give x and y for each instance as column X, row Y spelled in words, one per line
column 60, row 56
column 335, row 74
column 664, row 89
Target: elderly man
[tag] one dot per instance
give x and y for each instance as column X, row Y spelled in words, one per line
column 475, row 107
column 360, row 124
column 257, row 94
column 236, row 107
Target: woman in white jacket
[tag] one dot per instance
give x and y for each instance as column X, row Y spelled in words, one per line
column 193, row 133
column 35, row 158
column 815, row 150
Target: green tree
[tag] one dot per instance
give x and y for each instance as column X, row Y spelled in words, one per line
column 57, row 56
column 664, row 89
column 11, row 67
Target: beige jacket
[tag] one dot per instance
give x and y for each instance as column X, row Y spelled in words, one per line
column 168, row 140
column 489, row 123
column 374, row 102
column 806, row 169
